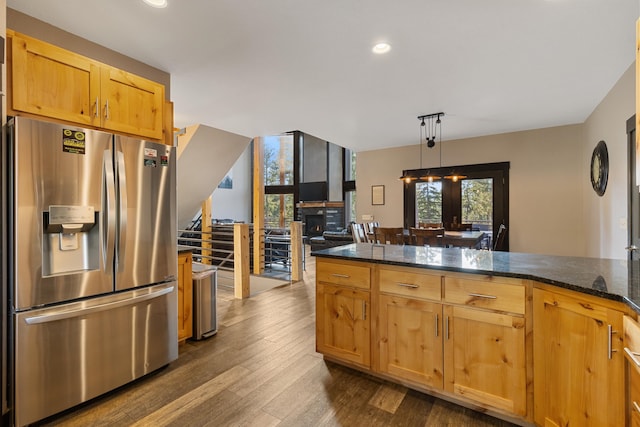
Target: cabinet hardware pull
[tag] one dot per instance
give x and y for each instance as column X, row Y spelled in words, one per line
column 343, row 276
column 408, row 285
column 632, row 355
column 364, row 310
column 483, row 296
column 446, row 327
column 610, row 349
column 96, row 114
column 636, row 406
column 437, row 324
column 106, row 110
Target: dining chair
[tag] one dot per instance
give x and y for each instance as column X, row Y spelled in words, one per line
column 359, row 235
column 428, row 237
column 369, row 229
column 389, row 235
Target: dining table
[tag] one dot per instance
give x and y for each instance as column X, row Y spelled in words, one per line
column 464, row 239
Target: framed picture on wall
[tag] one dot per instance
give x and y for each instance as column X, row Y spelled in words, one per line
column 377, row 194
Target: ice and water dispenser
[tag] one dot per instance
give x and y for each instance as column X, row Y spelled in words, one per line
column 71, row 240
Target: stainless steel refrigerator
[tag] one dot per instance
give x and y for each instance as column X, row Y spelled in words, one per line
column 92, row 263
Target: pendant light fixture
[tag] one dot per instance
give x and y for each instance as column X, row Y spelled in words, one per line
column 430, row 124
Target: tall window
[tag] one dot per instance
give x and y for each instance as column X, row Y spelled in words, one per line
column 429, row 202
column 278, row 181
column 349, row 186
column 477, row 202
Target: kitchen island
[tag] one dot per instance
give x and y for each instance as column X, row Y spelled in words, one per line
column 525, row 337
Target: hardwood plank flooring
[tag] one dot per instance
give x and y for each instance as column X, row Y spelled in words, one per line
column 261, row 369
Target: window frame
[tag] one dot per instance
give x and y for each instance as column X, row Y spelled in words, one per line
column 451, row 192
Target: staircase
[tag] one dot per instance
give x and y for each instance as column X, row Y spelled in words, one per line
column 205, row 155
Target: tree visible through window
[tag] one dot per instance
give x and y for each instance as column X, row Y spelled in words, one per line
column 278, row 181
column 429, row 202
column 477, row 202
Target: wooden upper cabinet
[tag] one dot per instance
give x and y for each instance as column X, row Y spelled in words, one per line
column 131, row 104
column 52, row 82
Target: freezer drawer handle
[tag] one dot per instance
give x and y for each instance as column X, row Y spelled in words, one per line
column 102, row 307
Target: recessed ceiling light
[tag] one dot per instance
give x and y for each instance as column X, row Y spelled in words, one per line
column 381, row 48
column 156, row 3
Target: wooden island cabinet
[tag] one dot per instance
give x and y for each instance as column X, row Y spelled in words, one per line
column 514, row 347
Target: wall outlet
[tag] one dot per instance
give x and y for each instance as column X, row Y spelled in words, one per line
column 367, row 217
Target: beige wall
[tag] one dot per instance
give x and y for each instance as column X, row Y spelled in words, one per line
column 545, row 190
column 41, row 30
column 553, row 209
column 605, row 227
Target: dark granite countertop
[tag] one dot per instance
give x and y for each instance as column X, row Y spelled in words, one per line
column 607, row 278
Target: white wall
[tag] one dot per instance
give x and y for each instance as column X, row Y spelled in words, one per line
column 545, row 185
column 235, row 203
column 605, row 217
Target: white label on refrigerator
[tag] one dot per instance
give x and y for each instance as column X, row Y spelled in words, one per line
column 150, row 152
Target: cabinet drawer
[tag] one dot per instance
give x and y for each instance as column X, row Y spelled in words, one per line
column 410, row 283
column 485, row 293
column 347, row 274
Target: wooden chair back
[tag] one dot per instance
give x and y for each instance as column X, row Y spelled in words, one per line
column 428, row 237
column 369, row 230
column 498, row 245
column 359, row 235
column 388, row 235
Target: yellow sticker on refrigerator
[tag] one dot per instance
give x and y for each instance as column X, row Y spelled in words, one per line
column 73, row 141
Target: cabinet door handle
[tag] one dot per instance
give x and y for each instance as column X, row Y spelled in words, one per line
column 636, row 406
column 97, row 113
column 610, row 349
column 408, row 285
column 106, row 110
column 343, row 276
column 437, row 324
column 633, row 356
column 364, row 310
column 446, row 327
column 482, row 296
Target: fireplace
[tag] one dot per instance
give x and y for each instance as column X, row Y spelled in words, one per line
column 313, row 225
column 318, row 217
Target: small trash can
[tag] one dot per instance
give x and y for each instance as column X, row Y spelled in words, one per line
column 205, row 290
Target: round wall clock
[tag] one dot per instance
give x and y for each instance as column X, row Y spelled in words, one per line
column 600, row 168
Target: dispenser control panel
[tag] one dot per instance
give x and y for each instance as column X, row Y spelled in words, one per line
column 71, row 215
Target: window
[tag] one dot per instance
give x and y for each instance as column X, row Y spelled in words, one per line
column 476, row 202
column 429, row 202
column 278, row 160
column 278, row 210
column 278, row 181
column 349, row 186
column 480, row 197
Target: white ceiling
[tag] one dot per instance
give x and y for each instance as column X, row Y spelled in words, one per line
column 260, row 67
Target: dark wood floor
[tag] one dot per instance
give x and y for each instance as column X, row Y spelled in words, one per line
column 261, row 370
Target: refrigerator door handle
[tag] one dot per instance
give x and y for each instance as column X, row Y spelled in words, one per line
column 122, row 209
column 109, row 211
column 97, row 308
